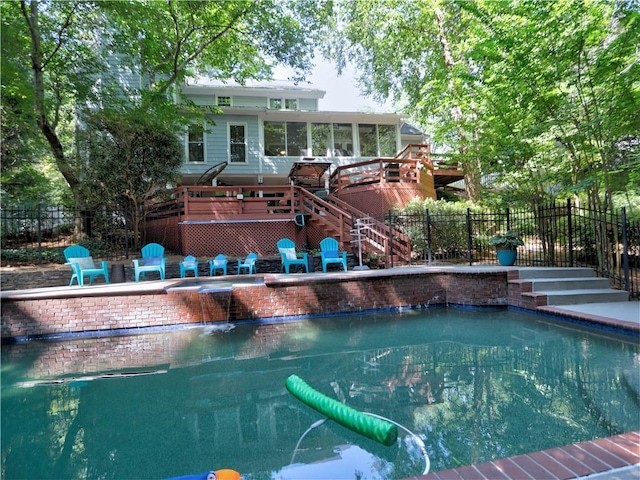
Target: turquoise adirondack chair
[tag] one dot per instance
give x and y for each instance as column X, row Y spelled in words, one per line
column 82, row 264
column 330, row 253
column 188, row 264
column 248, row 264
column 218, row 263
column 287, row 251
column 153, row 260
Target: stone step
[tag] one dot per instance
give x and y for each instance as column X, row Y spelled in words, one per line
column 575, row 283
column 574, row 297
column 526, row 273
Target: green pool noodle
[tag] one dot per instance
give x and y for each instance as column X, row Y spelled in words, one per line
column 374, row 428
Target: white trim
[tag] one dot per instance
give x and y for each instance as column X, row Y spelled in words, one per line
column 204, row 145
column 246, row 145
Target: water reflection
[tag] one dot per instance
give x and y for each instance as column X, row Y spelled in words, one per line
column 475, row 385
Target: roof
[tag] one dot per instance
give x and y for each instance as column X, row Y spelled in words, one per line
column 406, row 129
column 254, row 87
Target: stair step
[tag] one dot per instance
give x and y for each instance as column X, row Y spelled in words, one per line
column 554, row 272
column 574, row 297
column 575, row 283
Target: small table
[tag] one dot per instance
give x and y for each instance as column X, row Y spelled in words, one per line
column 116, row 275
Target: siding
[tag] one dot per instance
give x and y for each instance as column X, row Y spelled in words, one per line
column 218, row 143
column 203, row 99
column 247, row 101
column 310, row 104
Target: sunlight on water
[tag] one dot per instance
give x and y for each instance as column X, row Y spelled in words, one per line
column 474, row 385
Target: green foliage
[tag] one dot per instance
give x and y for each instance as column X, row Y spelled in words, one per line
column 132, row 156
column 544, row 94
column 32, row 256
column 54, row 53
column 509, row 240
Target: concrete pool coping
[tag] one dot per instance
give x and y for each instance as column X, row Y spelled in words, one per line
column 613, row 457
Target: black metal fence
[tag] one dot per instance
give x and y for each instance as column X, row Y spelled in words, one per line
column 555, row 235
column 37, row 235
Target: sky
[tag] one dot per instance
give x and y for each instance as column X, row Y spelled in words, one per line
column 343, row 95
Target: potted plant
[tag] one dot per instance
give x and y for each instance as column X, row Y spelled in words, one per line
column 506, row 246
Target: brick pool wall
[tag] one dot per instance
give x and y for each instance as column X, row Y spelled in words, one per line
column 74, row 310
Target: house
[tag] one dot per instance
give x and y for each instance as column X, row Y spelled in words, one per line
column 264, row 127
column 270, row 164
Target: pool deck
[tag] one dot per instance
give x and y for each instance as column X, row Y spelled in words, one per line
column 612, row 458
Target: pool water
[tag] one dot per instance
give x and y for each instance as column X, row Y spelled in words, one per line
column 475, row 385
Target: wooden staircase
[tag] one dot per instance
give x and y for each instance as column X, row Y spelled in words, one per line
column 337, row 218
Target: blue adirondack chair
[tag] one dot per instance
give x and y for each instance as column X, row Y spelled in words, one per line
column 82, row 264
column 153, row 260
column 218, row 263
column 287, row 251
column 188, row 264
column 248, row 264
column 330, row 253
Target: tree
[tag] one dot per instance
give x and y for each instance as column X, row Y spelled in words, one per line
column 72, row 46
column 131, row 156
column 545, row 94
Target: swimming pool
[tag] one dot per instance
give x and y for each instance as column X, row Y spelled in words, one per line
column 475, row 385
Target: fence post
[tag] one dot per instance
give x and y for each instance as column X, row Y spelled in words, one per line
column 390, row 239
column 126, row 235
column 39, row 215
column 429, row 257
column 508, row 219
column 469, row 243
column 570, row 230
column 625, row 250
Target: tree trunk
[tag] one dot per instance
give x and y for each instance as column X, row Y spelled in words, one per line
column 471, row 169
column 30, row 14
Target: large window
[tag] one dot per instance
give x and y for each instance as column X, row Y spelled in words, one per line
column 195, row 143
column 377, row 140
column 328, row 139
column 285, row 138
column 320, row 139
column 237, row 142
column 368, row 137
column 296, row 139
column 342, row 139
column 387, row 139
column 275, row 143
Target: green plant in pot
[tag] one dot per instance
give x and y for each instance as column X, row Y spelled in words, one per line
column 506, row 246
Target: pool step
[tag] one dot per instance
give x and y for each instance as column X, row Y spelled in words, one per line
column 574, row 283
column 565, row 286
column 573, row 297
column 526, row 273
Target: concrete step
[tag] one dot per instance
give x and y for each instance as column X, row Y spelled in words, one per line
column 575, row 283
column 554, row 272
column 574, row 297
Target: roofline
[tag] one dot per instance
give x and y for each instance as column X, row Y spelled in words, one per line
column 292, row 115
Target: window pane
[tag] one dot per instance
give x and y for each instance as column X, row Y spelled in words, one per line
column 196, row 143
column 368, row 140
column 296, row 138
column 224, row 101
column 274, row 144
column 320, row 139
column 387, row 137
column 342, row 139
column 291, row 104
column 237, row 145
column 275, row 103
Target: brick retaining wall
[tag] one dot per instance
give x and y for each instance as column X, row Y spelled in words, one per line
column 70, row 310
